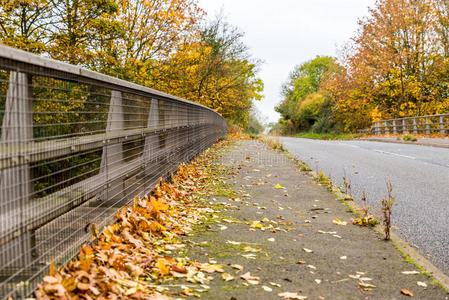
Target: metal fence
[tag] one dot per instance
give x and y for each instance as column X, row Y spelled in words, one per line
column 416, row 125
column 75, row 145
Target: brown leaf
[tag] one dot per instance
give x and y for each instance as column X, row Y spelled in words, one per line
column 289, row 295
column 247, row 276
column 178, row 269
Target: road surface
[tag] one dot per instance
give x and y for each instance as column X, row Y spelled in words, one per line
column 419, row 174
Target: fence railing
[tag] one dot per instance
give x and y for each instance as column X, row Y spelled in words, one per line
column 413, row 125
column 74, row 146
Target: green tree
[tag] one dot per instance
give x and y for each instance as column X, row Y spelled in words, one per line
column 300, row 107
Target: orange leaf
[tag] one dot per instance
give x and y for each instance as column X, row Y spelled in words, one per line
column 162, row 268
column 407, row 292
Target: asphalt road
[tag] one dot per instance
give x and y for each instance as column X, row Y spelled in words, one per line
column 419, row 174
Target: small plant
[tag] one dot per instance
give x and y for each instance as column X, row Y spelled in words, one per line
column 304, row 168
column 273, row 144
column 347, row 184
column 322, row 179
column 410, row 138
column 387, row 206
column 365, row 219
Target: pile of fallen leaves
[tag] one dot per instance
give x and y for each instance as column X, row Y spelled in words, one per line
column 134, row 258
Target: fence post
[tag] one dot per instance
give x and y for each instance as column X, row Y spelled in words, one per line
column 376, row 128
column 395, row 131
column 442, row 131
column 152, row 145
column 415, row 126
column 112, row 157
column 427, row 125
column 16, row 185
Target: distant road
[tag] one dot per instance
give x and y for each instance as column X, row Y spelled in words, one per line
column 419, row 174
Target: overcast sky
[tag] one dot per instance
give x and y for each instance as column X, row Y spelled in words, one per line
column 285, row 33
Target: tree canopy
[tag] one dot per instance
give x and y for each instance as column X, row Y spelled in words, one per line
column 168, row 45
column 396, row 65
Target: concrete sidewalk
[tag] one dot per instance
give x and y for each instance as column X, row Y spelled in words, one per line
column 422, row 141
column 289, row 231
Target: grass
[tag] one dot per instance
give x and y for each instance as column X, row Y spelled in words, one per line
column 328, row 136
column 410, row 138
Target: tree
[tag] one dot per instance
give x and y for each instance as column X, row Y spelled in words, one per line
column 24, row 24
column 216, row 70
column 300, row 93
column 82, row 29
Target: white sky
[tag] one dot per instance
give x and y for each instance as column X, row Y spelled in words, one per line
column 285, row 33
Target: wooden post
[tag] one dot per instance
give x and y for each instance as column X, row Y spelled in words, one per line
column 415, row 126
column 442, row 131
column 112, row 158
column 404, row 127
column 16, row 187
column 395, row 131
column 376, row 128
column 427, row 125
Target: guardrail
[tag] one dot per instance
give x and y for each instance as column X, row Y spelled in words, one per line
column 414, row 125
column 75, row 145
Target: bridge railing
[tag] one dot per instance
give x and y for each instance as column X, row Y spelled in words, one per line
column 413, row 125
column 75, row 145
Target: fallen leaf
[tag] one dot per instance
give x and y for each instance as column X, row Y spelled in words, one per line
column 366, row 286
column 162, row 268
column 343, row 257
column 338, row 222
column 227, row 277
column 410, row 272
column 318, row 281
column 278, row 186
column 250, row 279
column 407, row 292
column 233, row 242
column 248, row 276
column 251, row 249
column 307, row 250
column 289, row 295
column 266, row 288
column 420, row 283
column 275, row 284
column 238, row 267
column 249, row 256
column 271, row 239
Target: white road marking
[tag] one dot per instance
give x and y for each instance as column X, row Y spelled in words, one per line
column 391, row 153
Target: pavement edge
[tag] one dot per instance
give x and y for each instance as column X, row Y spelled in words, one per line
column 401, row 245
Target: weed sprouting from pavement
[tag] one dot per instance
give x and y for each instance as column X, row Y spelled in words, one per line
column 387, row 206
column 365, row 218
column 347, row 184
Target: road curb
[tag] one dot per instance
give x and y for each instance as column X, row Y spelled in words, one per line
column 399, row 243
column 404, row 142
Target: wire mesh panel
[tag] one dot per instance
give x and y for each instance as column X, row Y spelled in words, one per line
column 75, row 145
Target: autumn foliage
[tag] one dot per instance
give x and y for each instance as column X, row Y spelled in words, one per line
column 168, row 45
column 395, row 66
column 132, row 255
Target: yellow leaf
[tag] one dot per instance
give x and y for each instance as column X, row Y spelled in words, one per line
column 278, row 186
column 338, row 222
column 162, row 268
column 227, row 277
